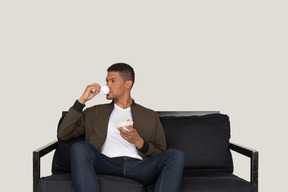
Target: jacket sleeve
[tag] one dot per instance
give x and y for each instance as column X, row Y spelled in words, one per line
column 73, row 123
column 158, row 145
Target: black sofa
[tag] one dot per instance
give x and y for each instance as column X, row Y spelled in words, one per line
column 204, row 137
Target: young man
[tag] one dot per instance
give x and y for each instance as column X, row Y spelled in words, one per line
column 136, row 151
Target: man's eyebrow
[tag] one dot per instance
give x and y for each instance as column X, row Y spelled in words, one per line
column 111, row 78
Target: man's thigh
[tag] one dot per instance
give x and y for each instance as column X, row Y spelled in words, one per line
column 87, row 154
column 144, row 171
column 147, row 171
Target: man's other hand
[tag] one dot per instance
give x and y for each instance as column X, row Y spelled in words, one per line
column 131, row 136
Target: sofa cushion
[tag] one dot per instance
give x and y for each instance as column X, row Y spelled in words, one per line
column 61, row 160
column 63, row 183
column 203, row 139
column 211, row 181
column 214, row 182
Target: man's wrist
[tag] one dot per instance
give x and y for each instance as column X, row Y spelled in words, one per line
column 144, row 148
column 82, row 101
column 78, row 106
column 140, row 144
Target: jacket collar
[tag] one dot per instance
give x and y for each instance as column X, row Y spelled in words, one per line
column 133, row 103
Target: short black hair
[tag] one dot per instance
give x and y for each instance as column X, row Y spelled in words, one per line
column 125, row 70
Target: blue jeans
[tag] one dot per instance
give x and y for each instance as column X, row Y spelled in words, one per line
column 166, row 169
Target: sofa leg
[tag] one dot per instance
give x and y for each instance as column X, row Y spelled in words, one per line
column 36, row 170
column 254, row 170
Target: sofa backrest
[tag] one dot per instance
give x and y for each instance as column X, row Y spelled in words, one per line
column 202, row 135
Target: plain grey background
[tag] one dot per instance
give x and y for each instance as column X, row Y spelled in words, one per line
column 187, row 55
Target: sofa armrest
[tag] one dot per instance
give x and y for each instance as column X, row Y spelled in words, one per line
column 37, row 154
column 254, row 161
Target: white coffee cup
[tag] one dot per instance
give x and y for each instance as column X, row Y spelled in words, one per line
column 104, row 90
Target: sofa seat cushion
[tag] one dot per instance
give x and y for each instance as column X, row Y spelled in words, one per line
column 107, row 183
column 214, row 182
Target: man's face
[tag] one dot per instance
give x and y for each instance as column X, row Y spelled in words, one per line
column 118, row 87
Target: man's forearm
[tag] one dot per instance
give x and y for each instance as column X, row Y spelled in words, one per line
column 72, row 124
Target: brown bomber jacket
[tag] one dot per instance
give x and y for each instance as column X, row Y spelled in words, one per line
column 93, row 122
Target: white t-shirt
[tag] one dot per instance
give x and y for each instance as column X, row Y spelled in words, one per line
column 115, row 145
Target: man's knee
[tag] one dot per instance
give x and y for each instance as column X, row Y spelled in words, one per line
column 177, row 156
column 80, row 149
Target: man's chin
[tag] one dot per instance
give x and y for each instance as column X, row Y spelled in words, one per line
column 109, row 98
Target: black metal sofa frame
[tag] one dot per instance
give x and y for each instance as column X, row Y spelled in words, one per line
column 250, row 153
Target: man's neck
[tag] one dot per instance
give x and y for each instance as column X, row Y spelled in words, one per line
column 124, row 103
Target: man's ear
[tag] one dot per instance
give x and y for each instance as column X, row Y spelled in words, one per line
column 129, row 84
